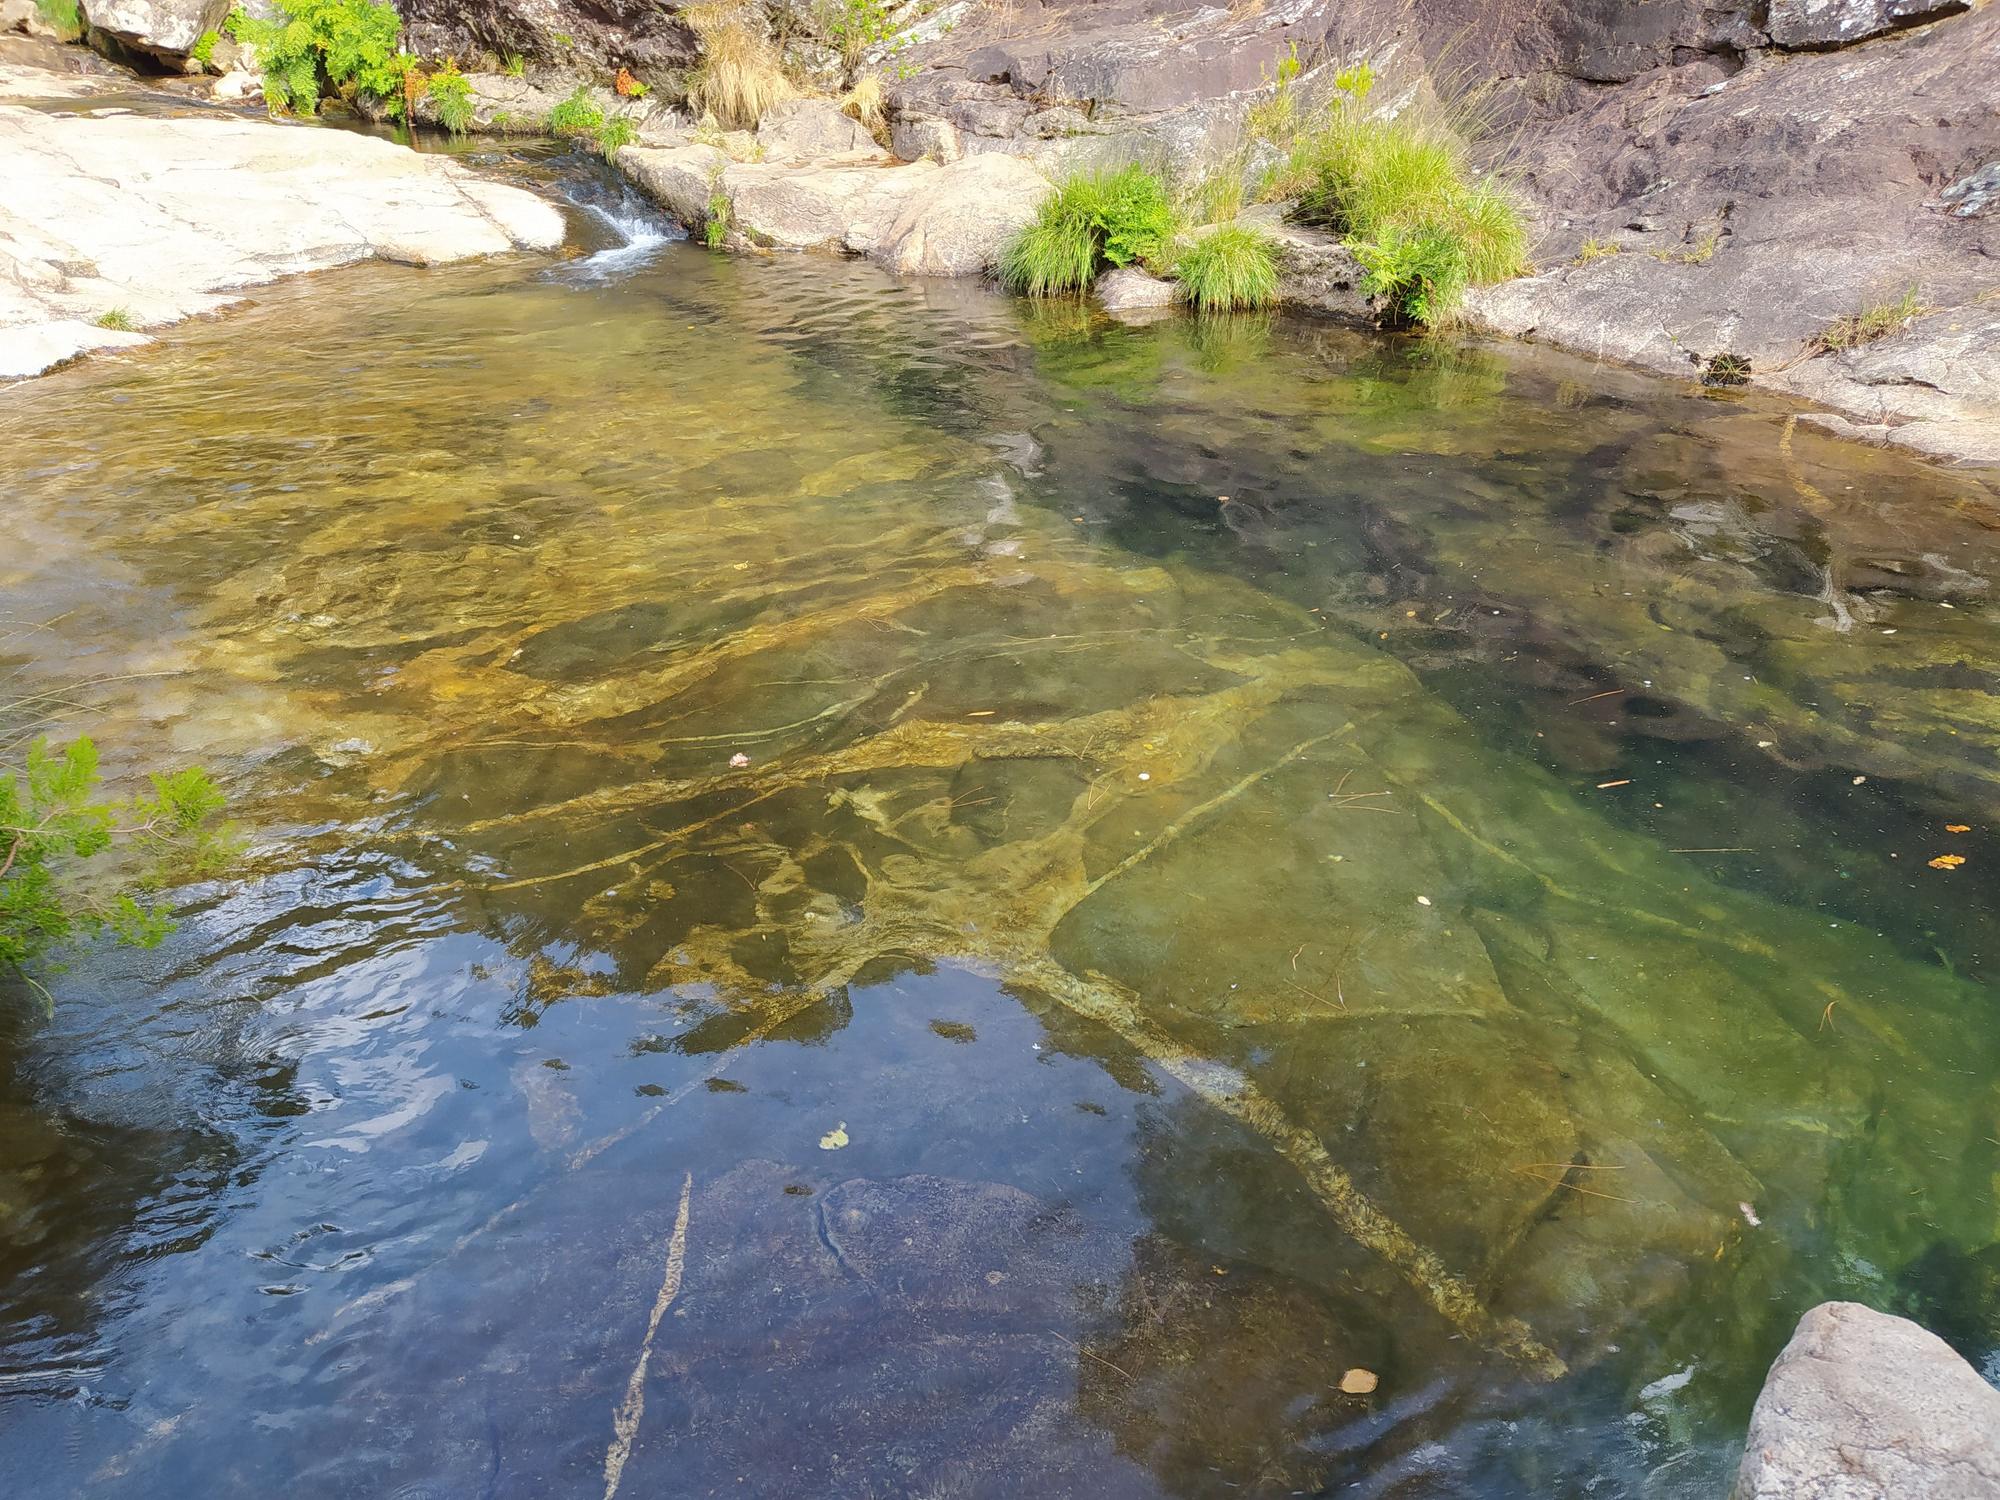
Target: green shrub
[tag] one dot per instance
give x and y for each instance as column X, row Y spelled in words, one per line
column 450, row 94
column 579, row 114
column 1233, row 266
column 1403, row 195
column 614, row 134
column 51, row 821
column 312, row 47
column 64, row 17
column 203, row 50
column 1116, row 219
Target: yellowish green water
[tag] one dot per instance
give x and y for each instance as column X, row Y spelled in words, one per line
column 1103, row 878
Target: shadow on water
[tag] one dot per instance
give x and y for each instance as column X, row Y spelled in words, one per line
column 1119, row 874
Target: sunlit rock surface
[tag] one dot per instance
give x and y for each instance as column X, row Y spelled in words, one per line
column 146, row 220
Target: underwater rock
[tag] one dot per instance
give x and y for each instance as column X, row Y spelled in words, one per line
column 1862, row 1405
column 1128, row 289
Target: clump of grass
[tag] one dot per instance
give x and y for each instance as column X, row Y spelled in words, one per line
column 117, row 319
column 579, row 114
column 614, row 135
column 715, row 231
column 1215, row 197
column 1870, row 324
column 1232, row 266
column 1116, row 218
column 450, row 93
column 1596, row 249
column 1402, row 193
column 203, row 50
column 740, row 77
column 515, row 65
column 863, row 103
column 64, row 17
column 1276, row 119
column 1700, row 253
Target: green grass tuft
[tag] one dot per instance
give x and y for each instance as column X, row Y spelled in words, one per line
column 64, row 17
column 615, row 134
column 1402, row 193
column 1870, row 324
column 450, row 93
column 579, row 114
column 1118, row 218
column 1233, row 266
column 117, row 319
column 203, row 50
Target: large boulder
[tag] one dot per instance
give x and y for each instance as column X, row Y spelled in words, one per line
column 165, row 30
column 918, row 220
column 1835, row 23
column 650, row 39
column 1863, row 1406
column 798, row 129
column 957, row 219
column 681, row 179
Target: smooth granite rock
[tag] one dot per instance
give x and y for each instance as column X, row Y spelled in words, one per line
column 1864, row 1406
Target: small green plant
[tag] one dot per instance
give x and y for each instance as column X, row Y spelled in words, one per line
column 1276, row 119
column 117, row 319
column 1595, row 249
column 615, row 134
column 64, row 17
column 1870, row 324
column 313, row 46
column 51, row 821
column 450, row 93
column 715, row 231
column 1232, row 266
column 579, row 114
column 1726, row 369
column 1700, row 253
column 515, row 65
column 1117, row 218
column 203, row 50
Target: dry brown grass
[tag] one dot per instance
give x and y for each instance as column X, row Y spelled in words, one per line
column 864, row 103
column 740, row 76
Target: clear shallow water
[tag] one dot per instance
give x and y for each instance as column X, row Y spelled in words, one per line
column 1413, row 913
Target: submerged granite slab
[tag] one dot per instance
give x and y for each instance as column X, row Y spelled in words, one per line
column 157, row 219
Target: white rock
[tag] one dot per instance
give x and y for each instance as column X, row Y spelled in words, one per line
column 1864, row 1406
column 162, row 218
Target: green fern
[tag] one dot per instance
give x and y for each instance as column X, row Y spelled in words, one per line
column 311, row 47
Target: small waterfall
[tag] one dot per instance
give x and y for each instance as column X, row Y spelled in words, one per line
column 633, row 230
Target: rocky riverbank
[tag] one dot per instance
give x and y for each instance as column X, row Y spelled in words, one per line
column 113, row 222
column 1796, row 194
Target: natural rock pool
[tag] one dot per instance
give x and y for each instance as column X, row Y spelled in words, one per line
column 868, row 889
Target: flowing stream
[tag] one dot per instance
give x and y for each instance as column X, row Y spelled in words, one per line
column 869, row 889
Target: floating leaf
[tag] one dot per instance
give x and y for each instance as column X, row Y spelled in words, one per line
column 1947, row 861
column 835, row 1138
column 1358, row 1382
column 1958, row 828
